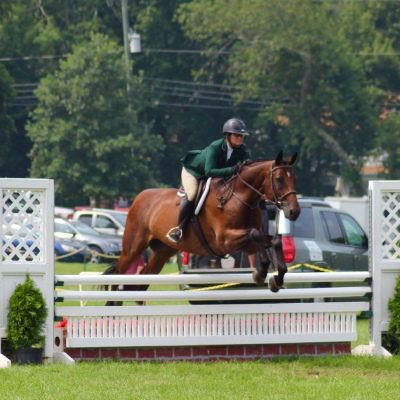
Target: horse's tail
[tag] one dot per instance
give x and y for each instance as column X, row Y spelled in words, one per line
column 111, row 268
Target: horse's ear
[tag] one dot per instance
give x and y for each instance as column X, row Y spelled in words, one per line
column 293, row 159
column 279, row 157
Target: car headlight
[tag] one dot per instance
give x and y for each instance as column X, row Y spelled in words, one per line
column 115, row 246
column 67, row 248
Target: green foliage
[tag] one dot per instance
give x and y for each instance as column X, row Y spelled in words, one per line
column 316, row 66
column 7, row 128
column 305, row 60
column 394, row 308
column 26, row 315
column 388, row 142
column 85, row 130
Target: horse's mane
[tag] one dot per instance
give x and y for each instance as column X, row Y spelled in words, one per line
column 250, row 161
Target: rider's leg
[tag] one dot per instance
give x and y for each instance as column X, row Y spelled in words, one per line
column 190, row 185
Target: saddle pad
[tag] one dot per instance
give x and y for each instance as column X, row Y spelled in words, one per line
column 203, row 197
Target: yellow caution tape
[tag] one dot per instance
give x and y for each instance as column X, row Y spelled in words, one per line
column 69, row 254
column 224, row 285
column 96, row 253
column 309, row 266
column 291, row 268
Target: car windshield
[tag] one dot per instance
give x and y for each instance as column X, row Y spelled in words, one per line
column 120, row 217
column 83, row 228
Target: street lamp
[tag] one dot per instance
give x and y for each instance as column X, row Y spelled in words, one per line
column 134, row 42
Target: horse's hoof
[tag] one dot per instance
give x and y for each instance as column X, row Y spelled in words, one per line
column 258, row 279
column 272, row 285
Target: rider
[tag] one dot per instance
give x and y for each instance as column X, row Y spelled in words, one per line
column 219, row 159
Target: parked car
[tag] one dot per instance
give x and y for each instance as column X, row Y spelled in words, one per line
column 322, row 236
column 17, row 242
column 330, row 237
column 109, row 246
column 103, row 220
column 78, row 252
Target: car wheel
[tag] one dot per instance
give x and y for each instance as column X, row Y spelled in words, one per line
column 95, row 252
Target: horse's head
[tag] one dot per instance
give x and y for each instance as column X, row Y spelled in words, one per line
column 283, row 186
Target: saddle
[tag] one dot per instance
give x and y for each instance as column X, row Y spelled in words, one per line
column 201, row 195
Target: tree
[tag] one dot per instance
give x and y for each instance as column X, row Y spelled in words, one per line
column 301, row 58
column 7, row 129
column 85, row 130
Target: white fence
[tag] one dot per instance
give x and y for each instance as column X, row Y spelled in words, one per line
column 212, row 324
column 384, row 253
column 26, row 244
column 29, row 203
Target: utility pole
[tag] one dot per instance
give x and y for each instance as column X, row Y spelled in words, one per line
column 124, row 6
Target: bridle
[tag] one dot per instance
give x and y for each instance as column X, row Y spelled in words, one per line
column 277, row 200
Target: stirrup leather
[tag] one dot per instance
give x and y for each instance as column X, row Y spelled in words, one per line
column 174, row 235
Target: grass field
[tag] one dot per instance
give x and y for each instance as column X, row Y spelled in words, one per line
column 308, row 378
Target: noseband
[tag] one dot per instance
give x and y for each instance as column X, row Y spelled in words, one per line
column 277, row 200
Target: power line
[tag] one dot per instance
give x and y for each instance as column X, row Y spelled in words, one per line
column 29, row 58
column 204, row 106
column 189, row 51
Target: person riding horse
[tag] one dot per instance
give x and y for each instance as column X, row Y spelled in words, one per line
column 219, row 159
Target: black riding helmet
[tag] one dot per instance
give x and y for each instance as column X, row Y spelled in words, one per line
column 235, row 125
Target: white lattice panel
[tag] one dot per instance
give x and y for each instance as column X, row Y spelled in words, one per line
column 390, row 225
column 22, row 225
column 384, row 248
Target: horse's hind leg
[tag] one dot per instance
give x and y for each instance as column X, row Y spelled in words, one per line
column 133, row 247
column 276, row 281
column 111, row 271
column 161, row 253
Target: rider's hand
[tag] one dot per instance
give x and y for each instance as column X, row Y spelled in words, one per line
column 237, row 167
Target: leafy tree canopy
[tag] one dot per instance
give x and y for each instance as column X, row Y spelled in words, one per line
column 85, row 130
column 304, row 59
column 7, row 129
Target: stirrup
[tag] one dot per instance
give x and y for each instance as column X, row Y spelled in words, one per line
column 174, row 235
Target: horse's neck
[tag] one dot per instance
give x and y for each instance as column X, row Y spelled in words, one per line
column 254, row 175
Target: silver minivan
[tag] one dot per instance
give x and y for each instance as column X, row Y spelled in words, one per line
column 103, row 220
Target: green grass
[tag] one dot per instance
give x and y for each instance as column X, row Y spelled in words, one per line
column 307, row 378
column 342, row 377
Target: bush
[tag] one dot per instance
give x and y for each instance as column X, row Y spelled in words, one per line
column 26, row 316
column 394, row 325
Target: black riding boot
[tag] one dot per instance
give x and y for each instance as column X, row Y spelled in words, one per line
column 185, row 212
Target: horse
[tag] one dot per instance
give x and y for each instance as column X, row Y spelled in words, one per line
column 230, row 219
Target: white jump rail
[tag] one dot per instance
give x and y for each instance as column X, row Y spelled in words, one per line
column 212, row 324
column 207, row 278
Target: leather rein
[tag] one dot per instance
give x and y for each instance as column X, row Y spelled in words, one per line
column 277, row 200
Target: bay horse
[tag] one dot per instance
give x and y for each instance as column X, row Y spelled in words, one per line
column 230, row 219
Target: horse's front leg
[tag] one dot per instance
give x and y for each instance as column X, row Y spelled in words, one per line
column 261, row 271
column 276, row 281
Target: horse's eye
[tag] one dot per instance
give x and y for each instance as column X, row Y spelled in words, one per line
column 279, row 180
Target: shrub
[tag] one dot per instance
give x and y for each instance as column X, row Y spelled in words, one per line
column 26, row 316
column 394, row 325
